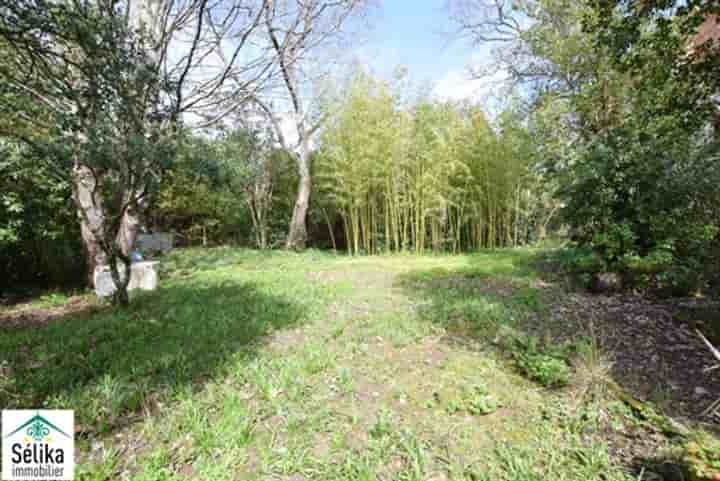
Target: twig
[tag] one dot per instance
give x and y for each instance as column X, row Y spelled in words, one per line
column 712, row 348
column 714, row 408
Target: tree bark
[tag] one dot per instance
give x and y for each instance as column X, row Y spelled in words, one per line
column 129, row 228
column 121, row 278
column 94, row 256
column 90, row 214
column 297, row 233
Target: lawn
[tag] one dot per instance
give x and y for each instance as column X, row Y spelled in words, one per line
column 250, row 365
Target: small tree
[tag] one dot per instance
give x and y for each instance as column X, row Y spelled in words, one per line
column 98, row 84
column 247, row 154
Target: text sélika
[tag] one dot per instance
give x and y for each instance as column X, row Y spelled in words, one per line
column 37, row 453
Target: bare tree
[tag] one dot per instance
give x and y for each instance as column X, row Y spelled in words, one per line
column 484, row 21
column 519, row 32
column 297, row 30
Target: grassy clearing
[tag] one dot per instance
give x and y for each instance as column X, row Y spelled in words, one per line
column 251, row 365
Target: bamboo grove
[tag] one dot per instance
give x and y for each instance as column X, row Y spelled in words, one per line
column 425, row 176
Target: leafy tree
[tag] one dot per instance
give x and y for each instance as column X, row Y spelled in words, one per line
column 622, row 101
column 226, row 188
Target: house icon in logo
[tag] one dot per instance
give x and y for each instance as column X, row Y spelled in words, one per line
column 38, row 428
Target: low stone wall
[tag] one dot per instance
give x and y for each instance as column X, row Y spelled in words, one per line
column 143, row 276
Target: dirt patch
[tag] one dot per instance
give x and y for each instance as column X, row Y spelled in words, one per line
column 282, row 341
column 654, row 356
column 26, row 316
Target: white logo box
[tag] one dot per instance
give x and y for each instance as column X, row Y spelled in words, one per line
column 38, row 444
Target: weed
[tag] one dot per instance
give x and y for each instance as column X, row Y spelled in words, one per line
column 702, row 457
column 482, row 405
column 53, row 299
column 592, row 371
column 547, row 365
column 384, row 424
column 475, row 400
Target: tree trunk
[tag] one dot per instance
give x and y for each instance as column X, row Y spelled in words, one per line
column 89, row 210
column 297, row 234
column 129, row 229
column 121, row 278
column 330, row 230
column 94, row 256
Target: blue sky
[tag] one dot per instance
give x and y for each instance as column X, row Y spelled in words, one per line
column 418, row 34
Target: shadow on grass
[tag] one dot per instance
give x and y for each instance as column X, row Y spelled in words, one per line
column 495, row 289
column 117, row 363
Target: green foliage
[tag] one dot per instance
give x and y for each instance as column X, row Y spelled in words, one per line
column 637, row 196
column 580, row 260
column 475, row 400
column 53, row 299
column 229, row 189
column 424, row 176
column 479, row 402
column 39, row 234
column 625, row 122
column 195, row 198
column 614, row 243
column 702, row 456
column 544, row 364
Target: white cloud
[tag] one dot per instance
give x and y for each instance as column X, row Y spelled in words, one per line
column 458, row 85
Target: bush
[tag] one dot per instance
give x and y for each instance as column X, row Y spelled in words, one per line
column 661, row 270
column 546, row 365
column 655, row 262
column 579, row 261
column 679, row 281
column 614, row 243
column 547, row 370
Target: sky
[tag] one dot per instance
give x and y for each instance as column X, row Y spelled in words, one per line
column 419, row 35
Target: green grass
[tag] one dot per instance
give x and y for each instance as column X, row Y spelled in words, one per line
column 273, row 365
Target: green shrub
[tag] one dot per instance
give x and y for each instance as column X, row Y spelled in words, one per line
column 614, row 242
column 580, row 261
column 679, row 281
column 482, row 405
column 546, row 365
column 642, row 271
column 656, row 261
column 544, row 369
column 476, row 401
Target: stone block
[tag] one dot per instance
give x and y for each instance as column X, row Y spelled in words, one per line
column 143, row 276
